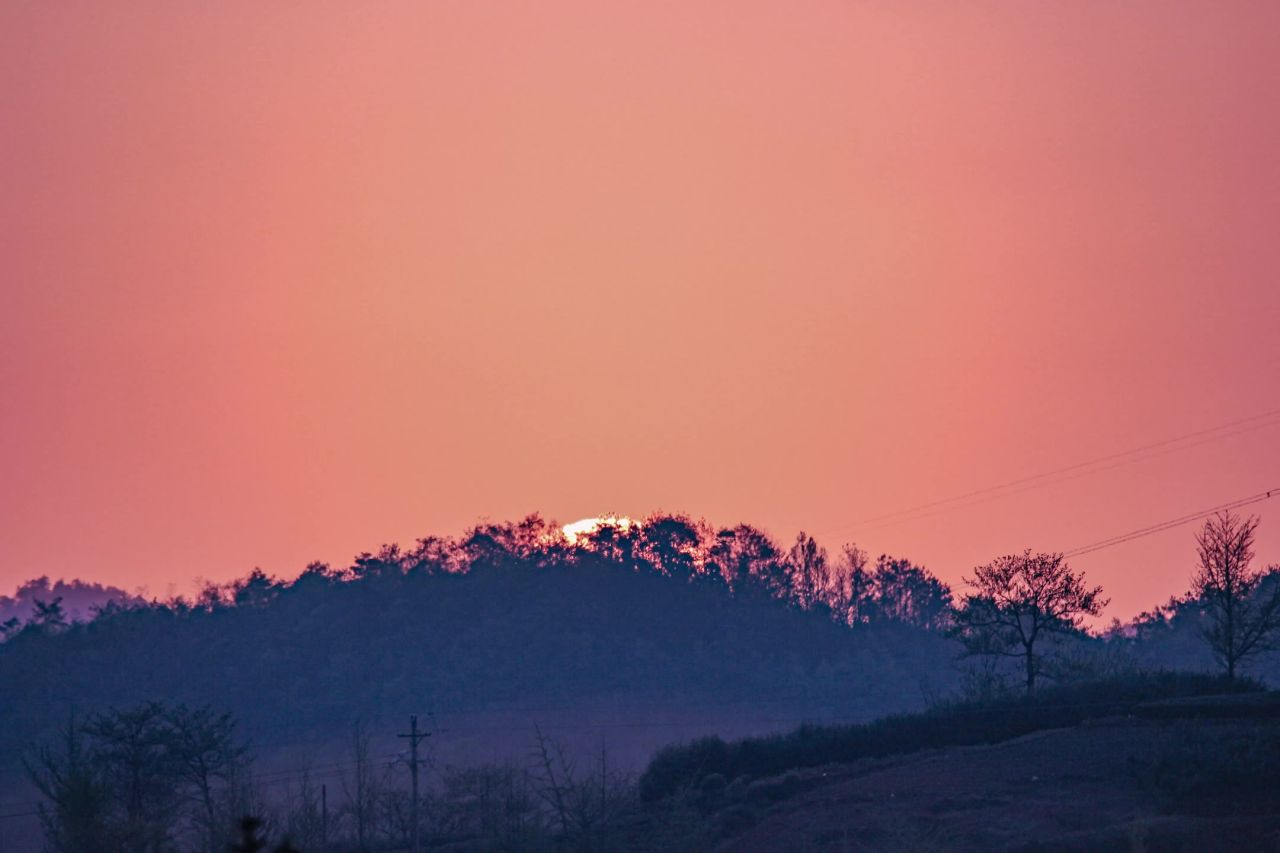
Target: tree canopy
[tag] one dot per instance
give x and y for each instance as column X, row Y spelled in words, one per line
column 1019, row 599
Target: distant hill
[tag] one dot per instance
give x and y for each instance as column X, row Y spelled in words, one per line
column 534, row 634
column 79, row 599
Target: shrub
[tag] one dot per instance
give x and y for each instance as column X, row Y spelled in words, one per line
column 735, row 818
column 1216, row 770
column 679, row 766
column 713, row 785
column 775, row 787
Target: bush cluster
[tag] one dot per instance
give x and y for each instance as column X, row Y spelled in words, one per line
column 953, row 724
column 1216, row 770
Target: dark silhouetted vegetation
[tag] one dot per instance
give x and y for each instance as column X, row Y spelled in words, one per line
column 681, row 767
column 1242, row 617
column 1017, row 602
column 668, row 613
column 148, row 778
column 1216, row 770
column 77, row 599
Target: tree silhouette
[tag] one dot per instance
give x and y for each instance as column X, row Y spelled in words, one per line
column 48, row 616
column 670, row 544
column 807, row 561
column 132, row 747
column 1242, row 615
column 205, row 758
column 255, row 590
column 77, row 795
column 852, row 596
column 748, row 560
column 614, row 541
column 146, row 778
column 1018, row 600
column 907, row 593
column 364, row 786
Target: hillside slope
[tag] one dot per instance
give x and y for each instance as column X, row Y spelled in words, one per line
column 1099, row 786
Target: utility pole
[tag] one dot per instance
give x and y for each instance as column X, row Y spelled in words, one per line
column 415, row 737
column 324, row 818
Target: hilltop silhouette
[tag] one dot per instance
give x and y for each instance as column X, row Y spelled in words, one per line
column 671, row 615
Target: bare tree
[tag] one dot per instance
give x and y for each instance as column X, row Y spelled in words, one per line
column 363, row 790
column 1016, row 601
column 304, row 817
column 849, row 592
column 807, row 562
column 206, row 757
column 145, row 778
column 76, row 815
column 493, row 802
column 584, row 806
column 1242, row 615
column 555, row 778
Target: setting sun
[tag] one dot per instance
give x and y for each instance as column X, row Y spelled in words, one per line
column 586, row 526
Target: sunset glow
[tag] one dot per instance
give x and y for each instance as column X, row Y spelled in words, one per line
column 931, row 347
column 583, row 528
column 282, row 283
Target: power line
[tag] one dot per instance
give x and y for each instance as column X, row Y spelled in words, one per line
column 1075, row 475
column 1170, row 524
column 1008, row 488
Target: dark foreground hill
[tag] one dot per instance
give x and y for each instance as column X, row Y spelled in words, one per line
column 1115, row 784
column 525, row 642
column 1157, row 762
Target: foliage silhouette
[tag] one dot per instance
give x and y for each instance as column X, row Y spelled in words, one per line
column 667, row 613
column 681, row 767
column 146, row 778
column 1018, row 601
column 1243, row 614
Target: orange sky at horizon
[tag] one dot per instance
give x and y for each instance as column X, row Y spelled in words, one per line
column 282, row 282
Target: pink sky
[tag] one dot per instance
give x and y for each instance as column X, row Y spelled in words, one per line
column 281, row 282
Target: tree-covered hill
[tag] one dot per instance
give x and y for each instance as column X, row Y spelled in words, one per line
column 665, row 616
